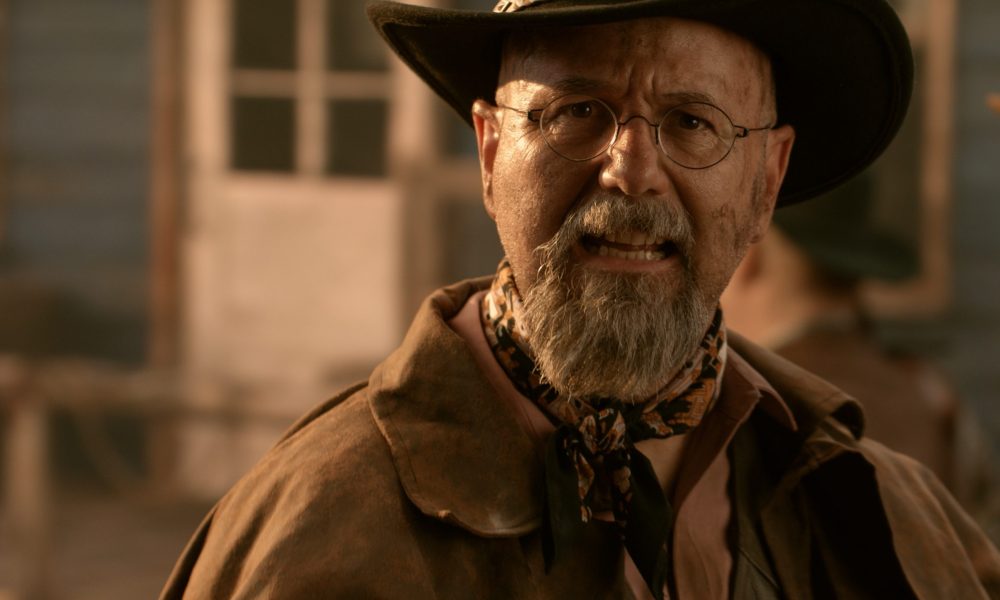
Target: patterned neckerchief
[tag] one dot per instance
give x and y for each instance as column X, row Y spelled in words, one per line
column 596, row 437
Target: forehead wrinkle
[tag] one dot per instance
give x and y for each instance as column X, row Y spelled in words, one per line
column 578, row 85
column 755, row 91
column 525, row 55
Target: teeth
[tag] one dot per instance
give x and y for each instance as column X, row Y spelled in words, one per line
column 632, row 238
column 636, row 255
column 639, row 243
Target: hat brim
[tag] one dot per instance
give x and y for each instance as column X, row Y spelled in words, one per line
column 843, row 68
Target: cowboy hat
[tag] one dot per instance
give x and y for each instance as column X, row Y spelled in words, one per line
column 841, row 234
column 843, row 68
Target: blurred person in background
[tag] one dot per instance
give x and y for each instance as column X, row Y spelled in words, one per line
column 798, row 293
column 581, row 424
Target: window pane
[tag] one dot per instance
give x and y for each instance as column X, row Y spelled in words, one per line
column 263, row 137
column 356, row 137
column 264, row 34
column 353, row 43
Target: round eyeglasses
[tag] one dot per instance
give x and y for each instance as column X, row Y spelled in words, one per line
column 695, row 135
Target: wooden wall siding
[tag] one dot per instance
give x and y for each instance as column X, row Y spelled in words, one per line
column 76, row 136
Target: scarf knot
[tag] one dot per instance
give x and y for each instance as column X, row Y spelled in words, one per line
column 599, row 442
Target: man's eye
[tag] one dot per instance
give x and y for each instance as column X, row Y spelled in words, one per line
column 688, row 121
column 581, row 110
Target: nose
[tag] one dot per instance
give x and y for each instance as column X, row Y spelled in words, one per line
column 634, row 164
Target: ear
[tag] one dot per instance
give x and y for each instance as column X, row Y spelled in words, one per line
column 779, row 149
column 750, row 267
column 739, row 293
column 485, row 120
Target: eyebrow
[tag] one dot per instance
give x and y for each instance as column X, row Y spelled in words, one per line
column 686, row 96
column 577, row 85
column 584, row 85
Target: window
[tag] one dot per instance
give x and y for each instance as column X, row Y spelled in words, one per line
column 309, row 86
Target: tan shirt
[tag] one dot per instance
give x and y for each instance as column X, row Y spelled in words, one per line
column 693, row 469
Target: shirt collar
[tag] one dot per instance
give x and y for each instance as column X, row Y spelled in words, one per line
column 770, row 401
column 808, row 399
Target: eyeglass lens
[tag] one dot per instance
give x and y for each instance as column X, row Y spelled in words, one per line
column 693, row 134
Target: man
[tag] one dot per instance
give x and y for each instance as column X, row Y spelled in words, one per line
column 798, row 293
column 581, row 425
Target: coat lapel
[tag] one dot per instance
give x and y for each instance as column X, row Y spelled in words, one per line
column 461, row 456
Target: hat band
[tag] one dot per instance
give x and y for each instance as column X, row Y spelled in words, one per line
column 514, row 5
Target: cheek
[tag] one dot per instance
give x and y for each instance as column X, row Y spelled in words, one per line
column 527, row 204
column 724, row 221
column 534, row 193
column 733, row 229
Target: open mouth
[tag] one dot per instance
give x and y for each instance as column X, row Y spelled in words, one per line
column 629, row 246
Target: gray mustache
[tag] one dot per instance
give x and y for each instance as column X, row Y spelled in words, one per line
column 603, row 213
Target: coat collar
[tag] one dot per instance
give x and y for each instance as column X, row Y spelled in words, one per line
column 811, row 399
column 829, row 421
column 463, row 458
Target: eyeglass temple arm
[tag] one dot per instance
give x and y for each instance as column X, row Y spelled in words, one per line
column 742, row 132
column 534, row 115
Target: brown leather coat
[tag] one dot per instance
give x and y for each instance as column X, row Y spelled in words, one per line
column 420, row 484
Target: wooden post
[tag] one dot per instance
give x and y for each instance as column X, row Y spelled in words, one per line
column 164, row 215
column 165, row 186
column 938, row 151
column 3, row 126
column 28, row 501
